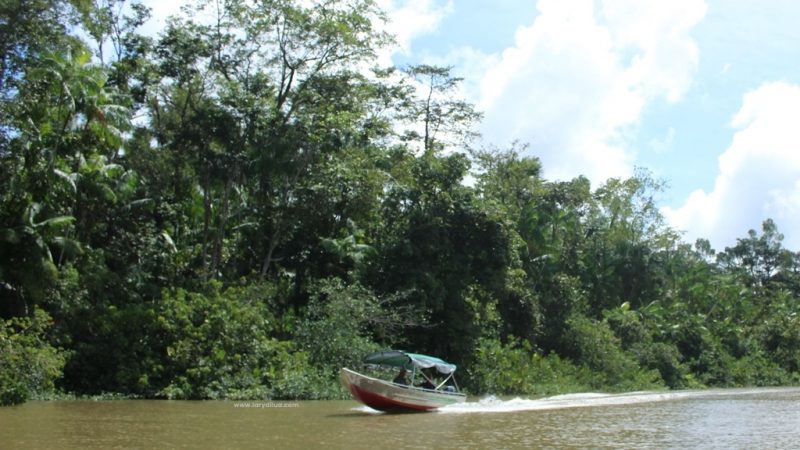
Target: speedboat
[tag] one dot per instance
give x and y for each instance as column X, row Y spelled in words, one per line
column 393, row 396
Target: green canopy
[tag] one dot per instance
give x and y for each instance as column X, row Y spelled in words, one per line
column 408, row 361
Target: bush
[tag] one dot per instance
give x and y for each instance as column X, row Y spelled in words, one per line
column 666, row 359
column 780, row 337
column 514, row 369
column 28, row 363
column 296, row 379
column 627, row 326
column 757, row 370
column 714, row 366
column 593, row 344
column 336, row 331
column 220, row 344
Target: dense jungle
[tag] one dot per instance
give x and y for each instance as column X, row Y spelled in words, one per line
column 248, row 201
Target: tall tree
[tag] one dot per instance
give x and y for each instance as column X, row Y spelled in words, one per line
column 65, row 121
column 445, row 118
column 311, row 56
column 758, row 259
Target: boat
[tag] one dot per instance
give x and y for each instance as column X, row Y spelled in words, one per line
column 390, row 396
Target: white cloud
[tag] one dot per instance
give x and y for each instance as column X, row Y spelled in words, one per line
column 407, row 19
column 759, row 174
column 579, row 77
column 662, row 145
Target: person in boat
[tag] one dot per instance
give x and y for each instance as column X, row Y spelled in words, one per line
column 428, row 383
column 401, row 378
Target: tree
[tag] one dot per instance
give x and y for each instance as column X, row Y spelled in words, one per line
column 629, row 244
column 105, row 21
column 28, row 30
column 758, row 258
column 448, row 253
column 509, row 187
column 444, row 117
column 264, row 95
column 66, row 121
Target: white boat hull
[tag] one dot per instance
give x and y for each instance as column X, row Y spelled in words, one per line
column 387, row 396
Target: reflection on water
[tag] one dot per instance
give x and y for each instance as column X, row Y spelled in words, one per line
column 754, row 418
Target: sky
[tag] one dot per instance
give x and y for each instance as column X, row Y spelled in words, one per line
column 703, row 93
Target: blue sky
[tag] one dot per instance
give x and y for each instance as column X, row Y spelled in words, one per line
column 703, row 93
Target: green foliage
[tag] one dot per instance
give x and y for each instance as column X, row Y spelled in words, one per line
column 29, row 365
column 344, row 321
column 594, row 345
column 666, row 359
column 336, row 330
column 297, row 378
column 437, row 244
column 757, row 370
column 268, row 220
column 508, row 369
column 780, row 336
column 218, row 344
column 631, row 328
column 30, row 28
column 444, row 118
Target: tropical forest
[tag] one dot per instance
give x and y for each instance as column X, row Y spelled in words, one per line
column 241, row 204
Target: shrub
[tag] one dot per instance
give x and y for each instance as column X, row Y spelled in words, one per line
column 297, row 379
column 336, row 331
column 28, row 363
column 514, row 369
column 665, row 358
column 757, row 370
column 627, row 325
column 219, row 344
column 780, row 337
column 714, row 366
column 594, row 345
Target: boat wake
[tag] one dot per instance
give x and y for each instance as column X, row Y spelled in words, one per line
column 366, row 409
column 493, row 404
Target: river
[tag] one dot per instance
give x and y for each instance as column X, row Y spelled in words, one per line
column 713, row 419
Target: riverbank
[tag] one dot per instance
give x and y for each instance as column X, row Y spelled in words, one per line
column 552, row 391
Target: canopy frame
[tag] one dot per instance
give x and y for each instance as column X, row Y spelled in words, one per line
column 409, row 361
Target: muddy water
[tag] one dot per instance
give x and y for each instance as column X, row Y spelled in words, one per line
column 724, row 419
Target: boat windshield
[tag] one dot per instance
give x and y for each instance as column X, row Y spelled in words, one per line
column 409, row 361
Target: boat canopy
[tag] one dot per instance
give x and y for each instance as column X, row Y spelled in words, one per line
column 408, row 361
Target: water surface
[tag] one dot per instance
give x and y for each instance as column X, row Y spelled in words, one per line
column 724, row 419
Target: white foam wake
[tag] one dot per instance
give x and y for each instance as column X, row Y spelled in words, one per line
column 366, row 409
column 494, row 404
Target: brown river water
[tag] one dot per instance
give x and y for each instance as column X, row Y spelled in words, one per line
column 765, row 418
